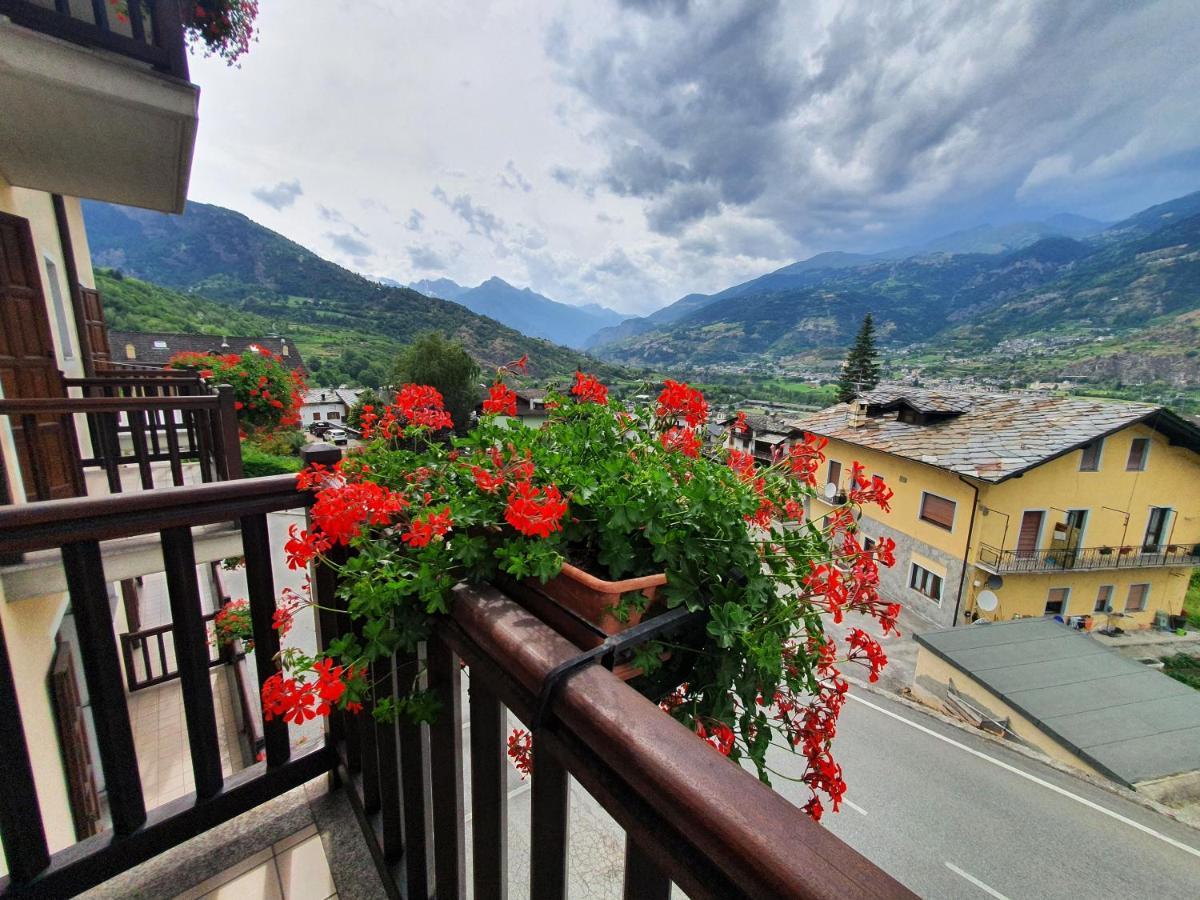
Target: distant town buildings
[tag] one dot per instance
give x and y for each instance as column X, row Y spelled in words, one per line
column 327, row 405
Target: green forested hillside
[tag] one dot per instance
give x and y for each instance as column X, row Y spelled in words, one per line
column 338, row 318
column 131, row 304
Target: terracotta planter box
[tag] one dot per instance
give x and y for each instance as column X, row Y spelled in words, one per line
column 574, row 595
column 593, row 598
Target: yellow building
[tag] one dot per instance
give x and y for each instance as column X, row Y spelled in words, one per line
column 1012, row 505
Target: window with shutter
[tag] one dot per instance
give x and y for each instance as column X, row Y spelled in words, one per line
column 835, row 473
column 937, row 511
column 1056, row 601
column 1089, row 461
column 1103, row 598
column 925, row 582
column 1135, row 601
column 1139, row 449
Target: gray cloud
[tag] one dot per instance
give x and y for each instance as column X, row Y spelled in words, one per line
column 426, row 258
column 874, row 117
column 281, row 196
column 512, row 178
column 351, row 246
column 415, row 220
column 479, row 219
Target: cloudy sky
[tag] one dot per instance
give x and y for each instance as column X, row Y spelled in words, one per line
column 628, row 152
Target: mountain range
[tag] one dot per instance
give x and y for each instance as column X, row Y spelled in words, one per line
column 525, row 310
column 338, row 318
column 1068, row 301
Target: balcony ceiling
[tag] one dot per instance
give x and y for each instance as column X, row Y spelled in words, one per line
column 87, row 123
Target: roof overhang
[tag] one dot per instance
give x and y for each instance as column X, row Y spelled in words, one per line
column 87, row 123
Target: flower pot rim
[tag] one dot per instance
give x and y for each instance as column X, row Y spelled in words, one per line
column 613, row 587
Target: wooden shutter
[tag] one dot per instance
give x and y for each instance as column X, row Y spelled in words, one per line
column 73, row 740
column 937, row 510
column 835, row 473
column 1136, row 600
column 95, row 336
column 1138, row 448
column 1031, row 527
column 1090, row 461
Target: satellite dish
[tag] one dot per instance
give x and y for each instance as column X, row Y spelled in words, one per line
column 995, row 582
column 830, row 490
column 987, row 601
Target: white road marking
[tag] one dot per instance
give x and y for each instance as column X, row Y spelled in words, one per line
column 1028, row 777
column 854, row 806
column 975, row 881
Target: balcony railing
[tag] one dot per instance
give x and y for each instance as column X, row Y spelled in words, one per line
column 151, row 33
column 1087, row 558
column 133, row 424
column 690, row 816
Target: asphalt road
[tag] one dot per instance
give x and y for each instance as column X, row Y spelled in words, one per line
column 952, row 814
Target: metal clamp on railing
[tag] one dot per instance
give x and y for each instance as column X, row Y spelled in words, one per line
column 607, row 653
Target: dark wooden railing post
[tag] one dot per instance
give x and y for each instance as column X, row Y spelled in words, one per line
column 413, row 776
column 102, row 671
column 192, row 658
column 644, row 880
column 551, row 805
column 229, row 442
column 168, row 34
column 489, row 797
column 260, row 587
column 446, row 773
column 21, row 830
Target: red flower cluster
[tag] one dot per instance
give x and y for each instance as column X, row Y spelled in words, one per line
column 340, row 511
column 422, row 531
column 682, row 440
column 423, row 405
column 865, row 649
column 589, row 390
column 678, row 400
column 718, row 735
column 501, row 400
column 740, row 425
column 874, row 490
column 290, row 602
column 233, row 621
column 742, row 465
column 520, row 751
column 304, row 546
column 805, row 458
column 297, row 701
column 535, row 512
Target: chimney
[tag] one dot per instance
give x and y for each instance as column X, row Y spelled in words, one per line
column 856, row 414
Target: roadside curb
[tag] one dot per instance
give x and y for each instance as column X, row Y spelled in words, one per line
column 1191, row 820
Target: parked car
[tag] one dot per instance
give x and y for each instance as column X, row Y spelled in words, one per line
column 337, row 435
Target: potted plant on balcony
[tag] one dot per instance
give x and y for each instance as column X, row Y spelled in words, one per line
column 1106, row 551
column 267, row 394
column 619, row 494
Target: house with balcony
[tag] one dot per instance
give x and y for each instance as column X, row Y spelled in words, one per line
column 767, row 438
column 1013, row 504
column 125, row 521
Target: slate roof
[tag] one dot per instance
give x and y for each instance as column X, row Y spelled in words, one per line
column 1129, row 721
column 761, row 424
column 147, row 349
column 345, row 396
column 990, row 436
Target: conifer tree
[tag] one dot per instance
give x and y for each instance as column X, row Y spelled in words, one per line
column 861, row 369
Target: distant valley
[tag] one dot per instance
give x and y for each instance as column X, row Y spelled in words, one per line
column 1117, row 304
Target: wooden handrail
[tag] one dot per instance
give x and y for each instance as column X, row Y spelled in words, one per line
column 710, row 821
column 46, row 525
column 56, row 405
